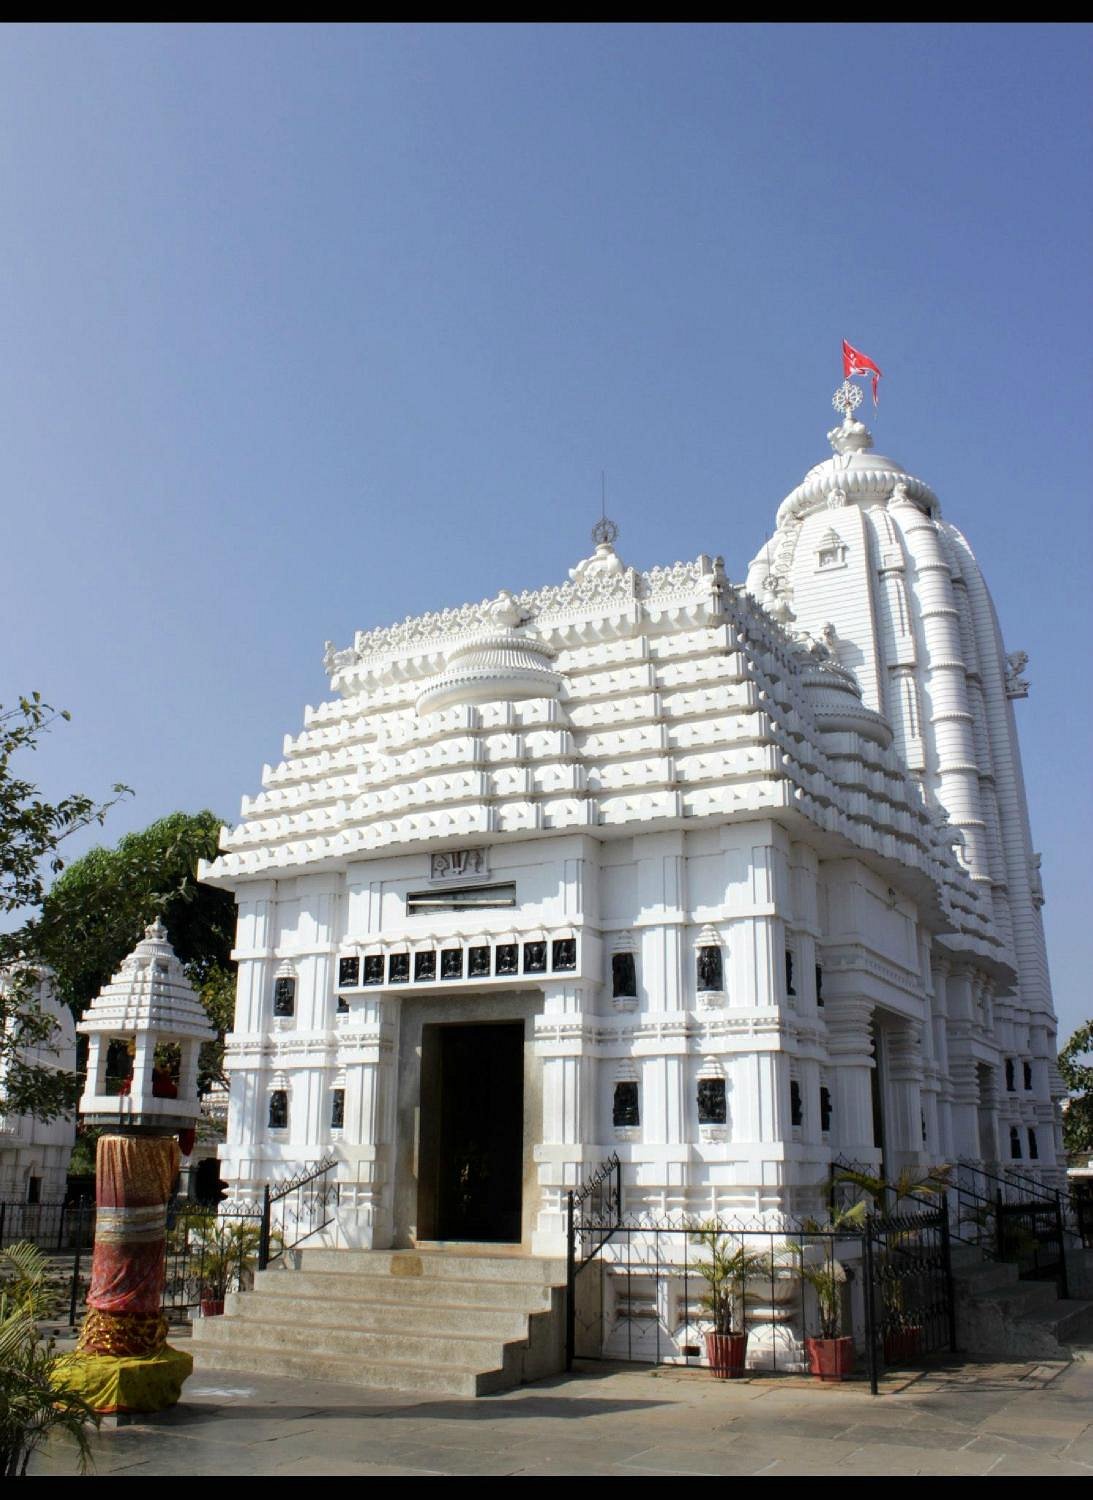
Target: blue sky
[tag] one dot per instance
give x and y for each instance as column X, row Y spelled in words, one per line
column 305, row 329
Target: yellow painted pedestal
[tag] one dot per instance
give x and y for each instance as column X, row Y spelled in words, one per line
column 116, row 1383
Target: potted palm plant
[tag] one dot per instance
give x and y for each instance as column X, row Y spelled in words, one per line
column 831, row 1356
column 726, row 1272
column 218, row 1252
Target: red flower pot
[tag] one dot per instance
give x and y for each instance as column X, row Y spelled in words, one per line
column 725, row 1352
column 830, row 1359
column 212, row 1307
column 902, row 1345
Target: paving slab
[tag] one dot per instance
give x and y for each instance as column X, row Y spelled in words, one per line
column 618, row 1420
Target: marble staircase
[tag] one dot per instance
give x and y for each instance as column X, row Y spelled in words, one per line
column 465, row 1321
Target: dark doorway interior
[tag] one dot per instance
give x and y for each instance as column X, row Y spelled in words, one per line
column 472, row 1132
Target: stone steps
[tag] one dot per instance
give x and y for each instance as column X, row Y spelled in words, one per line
column 1000, row 1316
column 380, row 1317
column 429, row 1321
column 392, row 1290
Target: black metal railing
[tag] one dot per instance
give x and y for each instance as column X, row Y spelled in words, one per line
column 209, row 1254
column 1013, row 1218
column 891, row 1275
column 54, row 1225
column 593, row 1213
column 295, row 1209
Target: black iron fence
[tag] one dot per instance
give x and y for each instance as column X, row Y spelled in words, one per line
column 641, row 1287
column 209, row 1254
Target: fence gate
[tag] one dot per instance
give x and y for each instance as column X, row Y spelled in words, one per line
column 909, row 1307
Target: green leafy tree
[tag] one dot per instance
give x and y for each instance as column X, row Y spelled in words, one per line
column 99, row 907
column 31, row 833
column 1078, row 1077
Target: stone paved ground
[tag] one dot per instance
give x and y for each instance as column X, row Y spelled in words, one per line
column 621, row 1420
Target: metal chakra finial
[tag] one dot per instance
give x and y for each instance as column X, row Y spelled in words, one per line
column 604, row 532
column 846, row 400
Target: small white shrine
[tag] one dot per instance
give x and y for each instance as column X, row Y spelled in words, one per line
column 732, row 878
column 149, row 1002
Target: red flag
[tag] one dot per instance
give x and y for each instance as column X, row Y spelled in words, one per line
column 857, row 363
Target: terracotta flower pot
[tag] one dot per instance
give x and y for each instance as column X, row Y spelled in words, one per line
column 725, row 1352
column 212, row 1307
column 902, row 1345
column 830, row 1359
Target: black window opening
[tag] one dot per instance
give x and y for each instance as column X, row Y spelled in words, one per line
column 819, row 985
column 373, row 968
column 534, row 958
column 348, row 973
column 470, row 898
column 709, row 971
column 337, row 1109
column 825, row 1109
column 712, row 1109
column 1033, row 1146
column 1010, row 1082
column 1027, row 1070
column 1015, row 1143
column 789, row 973
column 424, row 966
column 624, row 1108
column 398, row 968
column 451, row 963
column 563, row 953
column 34, row 1190
column 478, row 962
column 284, row 997
column 796, row 1113
column 506, row 959
column 342, row 1006
column 624, row 977
column 278, row 1109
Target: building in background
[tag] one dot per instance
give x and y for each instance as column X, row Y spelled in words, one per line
column 34, row 1157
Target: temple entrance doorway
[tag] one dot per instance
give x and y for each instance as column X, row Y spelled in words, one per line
column 470, row 1183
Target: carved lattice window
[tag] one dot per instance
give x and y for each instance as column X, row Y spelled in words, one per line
column 624, row 1109
column 278, row 1109
column 424, row 967
column 478, row 962
column 373, row 968
column 348, row 973
column 451, row 963
column 534, row 958
column 337, row 1109
column 712, row 1109
column 284, row 997
column 398, row 968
